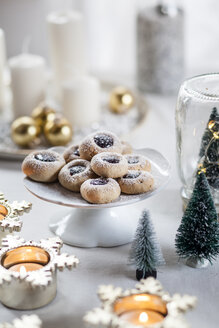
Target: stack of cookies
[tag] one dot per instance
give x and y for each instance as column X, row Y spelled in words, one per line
column 100, row 168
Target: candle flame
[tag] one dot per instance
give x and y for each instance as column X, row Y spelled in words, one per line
column 143, row 317
column 141, row 298
column 23, row 270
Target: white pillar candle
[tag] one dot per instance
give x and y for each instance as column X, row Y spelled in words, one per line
column 66, row 44
column 2, row 68
column 28, row 82
column 81, row 100
column 110, row 31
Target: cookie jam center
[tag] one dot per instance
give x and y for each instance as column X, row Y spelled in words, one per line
column 76, row 169
column 131, row 175
column 99, row 182
column 111, row 160
column 103, row 141
column 133, row 160
column 45, row 158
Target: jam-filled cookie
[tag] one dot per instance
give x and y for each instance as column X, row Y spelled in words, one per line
column 126, row 148
column 100, row 190
column 71, row 153
column 136, row 182
column 110, row 165
column 138, row 162
column 73, row 174
column 99, row 142
column 43, row 165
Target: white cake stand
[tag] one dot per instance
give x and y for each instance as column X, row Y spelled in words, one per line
column 93, row 225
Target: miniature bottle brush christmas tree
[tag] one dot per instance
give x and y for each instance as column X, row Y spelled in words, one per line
column 197, row 238
column 145, row 251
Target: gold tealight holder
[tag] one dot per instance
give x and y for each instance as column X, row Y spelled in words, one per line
column 26, row 321
column 28, row 271
column 148, row 305
column 10, row 213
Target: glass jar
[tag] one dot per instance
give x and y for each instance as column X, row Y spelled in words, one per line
column 197, row 129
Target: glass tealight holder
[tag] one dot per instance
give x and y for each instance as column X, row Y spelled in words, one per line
column 197, row 129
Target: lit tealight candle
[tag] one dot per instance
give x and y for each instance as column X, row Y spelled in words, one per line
column 28, row 271
column 139, row 318
column 28, row 82
column 140, row 308
column 25, row 267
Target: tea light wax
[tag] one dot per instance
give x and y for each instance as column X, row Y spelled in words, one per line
column 140, row 302
column 26, row 267
column 81, row 100
column 141, row 309
column 139, row 318
column 28, row 82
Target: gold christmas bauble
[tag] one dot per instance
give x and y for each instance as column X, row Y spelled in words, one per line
column 43, row 114
column 24, row 131
column 58, row 132
column 121, row 99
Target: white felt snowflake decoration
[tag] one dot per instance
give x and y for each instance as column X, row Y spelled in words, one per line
column 42, row 277
column 54, row 242
column 31, row 321
column 150, row 286
column 11, row 220
column 109, row 293
column 106, row 316
column 180, row 304
column 64, row 260
column 98, row 316
column 12, row 241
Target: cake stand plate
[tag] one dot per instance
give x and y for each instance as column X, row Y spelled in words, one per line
column 105, row 225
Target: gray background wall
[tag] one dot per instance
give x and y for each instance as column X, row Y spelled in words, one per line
column 112, row 28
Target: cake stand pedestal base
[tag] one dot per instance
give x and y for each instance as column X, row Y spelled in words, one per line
column 106, row 227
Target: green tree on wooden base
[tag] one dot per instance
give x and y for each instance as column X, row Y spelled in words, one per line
column 145, row 251
column 198, row 233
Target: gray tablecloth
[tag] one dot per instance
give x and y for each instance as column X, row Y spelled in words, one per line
column 77, row 289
